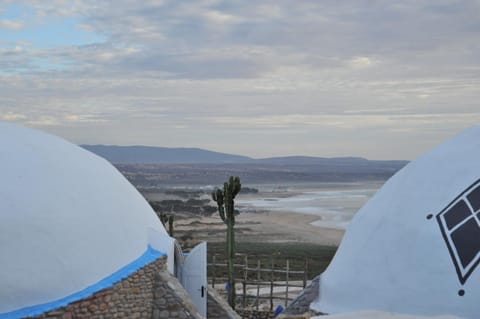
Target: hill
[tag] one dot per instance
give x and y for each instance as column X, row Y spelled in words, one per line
column 151, row 166
column 165, row 155
column 162, row 155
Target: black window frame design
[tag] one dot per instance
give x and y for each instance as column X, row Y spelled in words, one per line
column 447, row 230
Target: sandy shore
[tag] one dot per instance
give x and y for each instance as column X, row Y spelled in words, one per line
column 310, row 213
column 313, row 213
column 281, row 226
column 262, row 227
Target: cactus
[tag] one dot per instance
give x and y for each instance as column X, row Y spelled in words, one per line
column 164, row 218
column 226, row 210
column 170, row 225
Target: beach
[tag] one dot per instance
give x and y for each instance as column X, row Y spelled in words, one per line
column 315, row 213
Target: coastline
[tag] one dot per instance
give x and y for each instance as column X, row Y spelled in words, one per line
column 272, row 227
column 287, row 226
column 305, row 213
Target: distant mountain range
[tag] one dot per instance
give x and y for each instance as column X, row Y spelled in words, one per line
column 153, row 166
column 162, row 155
column 165, row 155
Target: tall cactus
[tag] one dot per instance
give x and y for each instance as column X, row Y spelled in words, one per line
column 164, row 218
column 170, row 225
column 226, row 209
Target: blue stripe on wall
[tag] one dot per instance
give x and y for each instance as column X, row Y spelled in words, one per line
column 149, row 256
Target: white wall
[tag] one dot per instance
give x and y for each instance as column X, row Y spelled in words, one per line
column 392, row 257
column 67, row 219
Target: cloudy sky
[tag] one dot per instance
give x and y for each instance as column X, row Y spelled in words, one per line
column 378, row 79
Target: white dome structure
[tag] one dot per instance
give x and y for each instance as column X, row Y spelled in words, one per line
column 415, row 246
column 70, row 224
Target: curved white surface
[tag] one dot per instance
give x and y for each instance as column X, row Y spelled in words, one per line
column 68, row 219
column 392, row 257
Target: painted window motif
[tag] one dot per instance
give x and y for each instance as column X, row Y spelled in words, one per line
column 460, row 225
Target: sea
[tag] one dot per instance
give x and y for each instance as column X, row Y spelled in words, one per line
column 335, row 204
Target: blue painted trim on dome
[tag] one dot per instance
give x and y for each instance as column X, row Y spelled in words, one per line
column 148, row 257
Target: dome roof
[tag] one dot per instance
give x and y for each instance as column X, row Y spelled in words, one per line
column 70, row 223
column 415, row 246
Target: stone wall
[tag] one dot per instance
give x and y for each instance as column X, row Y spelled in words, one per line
column 148, row 293
column 218, row 308
column 253, row 314
column 300, row 307
column 171, row 300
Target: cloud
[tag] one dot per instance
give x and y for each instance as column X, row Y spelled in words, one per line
column 360, row 62
column 385, row 121
column 304, row 68
column 43, row 121
column 10, row 116
column 11, row 24
column 173, row 37
column 220, row 18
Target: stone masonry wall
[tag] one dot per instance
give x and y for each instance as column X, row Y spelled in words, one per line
column 171, row 300
column 142, row 295
column 218, row 308
column 252, row 314
column 300, row 307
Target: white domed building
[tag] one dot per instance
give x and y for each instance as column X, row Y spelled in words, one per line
column 76, row 238
column 414, row 248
